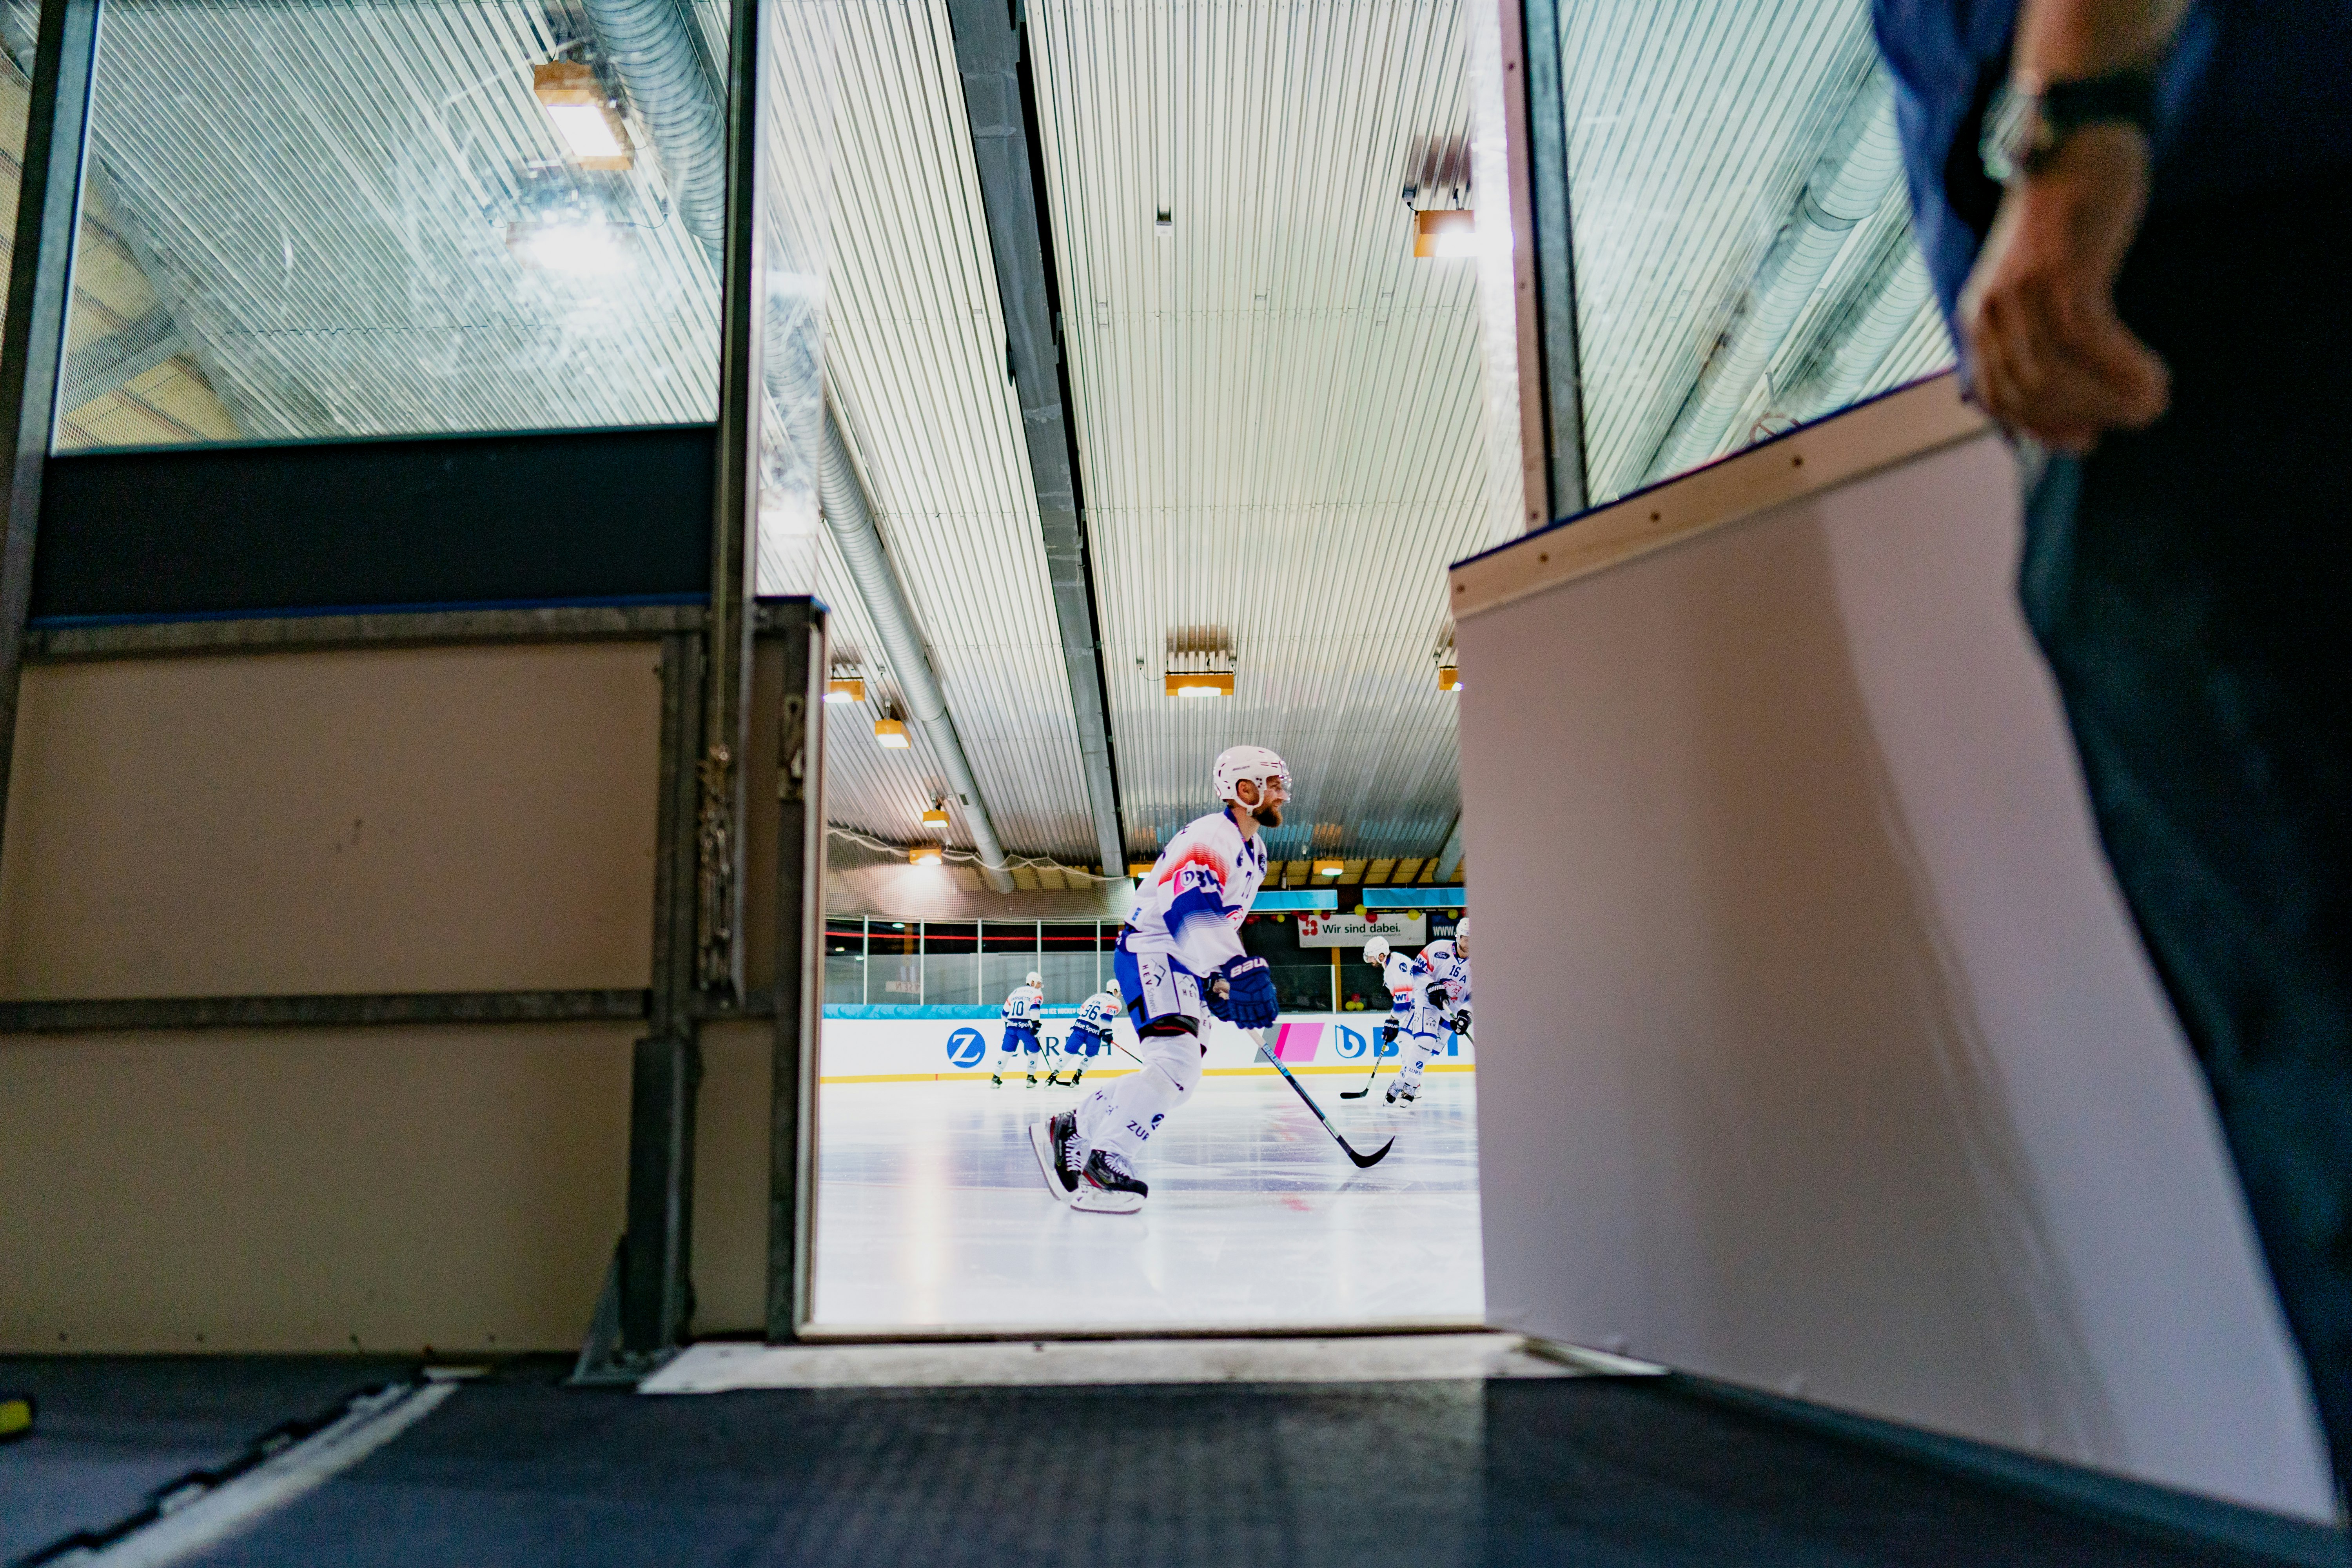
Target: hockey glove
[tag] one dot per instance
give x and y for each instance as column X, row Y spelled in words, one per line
column 1462, row 1022
column 1242, row 993
column 1436, row 997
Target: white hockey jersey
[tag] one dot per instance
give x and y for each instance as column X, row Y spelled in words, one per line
column 1449, row 969
column 1022, row 1007
column 1096, row 1015
column 1191, row 905
column 1407, row 978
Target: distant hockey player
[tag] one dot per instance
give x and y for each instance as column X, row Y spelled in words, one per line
column 1020, row 1010
column 1180, row 958
column 1415, row 1002
column 1448, row 964
column 1090, row 1033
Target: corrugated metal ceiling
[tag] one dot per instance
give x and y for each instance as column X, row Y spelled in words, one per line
column 1277, row 406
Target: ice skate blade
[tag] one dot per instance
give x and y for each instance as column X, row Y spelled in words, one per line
column 1041, row 1141
column 1091, row 1199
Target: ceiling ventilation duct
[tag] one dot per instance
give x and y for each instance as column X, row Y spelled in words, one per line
column 648, row 44
column 851, row 522
column 1849, row 180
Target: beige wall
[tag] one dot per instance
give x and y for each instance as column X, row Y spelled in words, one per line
column 301, row 1190
column 421, row 819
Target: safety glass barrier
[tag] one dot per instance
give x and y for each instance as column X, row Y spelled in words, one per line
column 1743, row 254
column 352, row 218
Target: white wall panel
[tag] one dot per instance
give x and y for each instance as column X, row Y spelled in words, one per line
column 1820, row 1054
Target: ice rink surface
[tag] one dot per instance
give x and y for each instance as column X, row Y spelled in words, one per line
column 931, row 1213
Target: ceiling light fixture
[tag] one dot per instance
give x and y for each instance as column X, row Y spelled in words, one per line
column 891, row 734
column 1449, row 678
column 845, row 690
column 938, row 816
column 925, row 855
column 1330, row 868
column 1446, row 232
column 1200, row 662
column 582, row 113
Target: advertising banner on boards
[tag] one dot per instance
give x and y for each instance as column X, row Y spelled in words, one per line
column 1402, row 928
column 882, row 1050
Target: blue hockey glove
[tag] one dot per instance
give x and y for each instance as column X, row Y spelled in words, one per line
column 1242, row 993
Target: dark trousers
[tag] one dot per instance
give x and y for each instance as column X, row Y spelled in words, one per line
column 2191, row 587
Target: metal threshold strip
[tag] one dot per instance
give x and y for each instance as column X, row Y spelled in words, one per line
column 1111, row 1362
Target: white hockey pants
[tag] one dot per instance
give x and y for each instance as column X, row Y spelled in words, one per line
column 1122, row 1113
column 1418, row 1038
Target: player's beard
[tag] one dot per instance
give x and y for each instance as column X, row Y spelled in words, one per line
column 1269, row 814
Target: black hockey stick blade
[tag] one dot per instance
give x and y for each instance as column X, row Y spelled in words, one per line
column 1359, row 1093
column 1363, row 1162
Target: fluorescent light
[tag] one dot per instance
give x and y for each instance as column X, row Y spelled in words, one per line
column 1330, row 868
column 583, row 250
column 1446, row 232
column 924, row 855
column 891, row 734
column 937, row 816
column 583, row 115
column 844, row 691
column 1201, row 683
column 1449, row 678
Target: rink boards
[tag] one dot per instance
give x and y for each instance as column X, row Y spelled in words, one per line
column 927, row 1049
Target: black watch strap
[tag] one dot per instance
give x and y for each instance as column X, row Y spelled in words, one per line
column 2024, row 130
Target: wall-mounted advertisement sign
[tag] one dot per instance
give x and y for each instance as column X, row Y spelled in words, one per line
column 1402, row 928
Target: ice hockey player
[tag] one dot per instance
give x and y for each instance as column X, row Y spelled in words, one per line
column 1448, row 964
column 1179, row 959
column 1020, row 1010
column 1090, row 1032
column 1415, row 999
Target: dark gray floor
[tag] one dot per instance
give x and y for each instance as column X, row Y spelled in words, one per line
column 113, row 1429
column 518, row 1471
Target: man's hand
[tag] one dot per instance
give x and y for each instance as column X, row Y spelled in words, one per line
column 2047, row 353
column 1242, row 993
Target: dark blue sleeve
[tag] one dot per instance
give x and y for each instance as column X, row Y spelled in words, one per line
column 1938, row 52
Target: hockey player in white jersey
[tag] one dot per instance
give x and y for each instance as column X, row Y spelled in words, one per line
column 1021, row 1008
column 1448, row 964
column 1179, row 959
column 1415, row 999
column 1090, row 1032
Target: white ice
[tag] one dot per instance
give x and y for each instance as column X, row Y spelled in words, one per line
column 931, row 1213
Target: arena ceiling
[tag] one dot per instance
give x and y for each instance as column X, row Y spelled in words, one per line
column 301, row 224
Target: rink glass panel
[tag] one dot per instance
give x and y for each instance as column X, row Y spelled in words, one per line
column 951, row 963
column 359, row 220
column 1070, row 962
column 844, row 962
column 894, row 964
column 1008, row 953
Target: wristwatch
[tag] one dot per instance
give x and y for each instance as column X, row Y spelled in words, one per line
column 2023, row 131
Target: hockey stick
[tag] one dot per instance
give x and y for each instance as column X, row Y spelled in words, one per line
column 1359, row 1093
column 1363, row 1162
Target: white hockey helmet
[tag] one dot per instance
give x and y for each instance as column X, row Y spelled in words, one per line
column 1034, row 977
column 1110, row 988
column 1235, row 763
column 1462, row 934
column 1376, row 951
